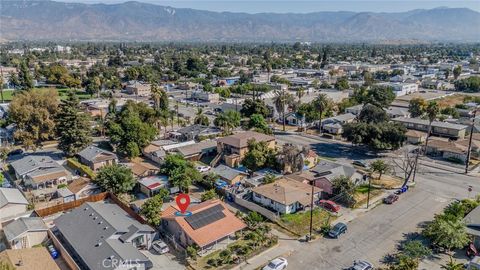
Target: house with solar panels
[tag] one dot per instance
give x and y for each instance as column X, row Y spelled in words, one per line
column 211, row 225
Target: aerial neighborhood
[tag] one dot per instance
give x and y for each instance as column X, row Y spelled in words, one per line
column 300, row 155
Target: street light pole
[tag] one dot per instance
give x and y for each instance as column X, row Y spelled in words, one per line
column 369, row 186
column 470, row 141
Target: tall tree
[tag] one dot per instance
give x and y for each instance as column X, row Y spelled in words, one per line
column 201, row 118
column 159, row 97
column 417, row 107
column 152, row 208
column 381, row 96
column 115, row 178
column 25, row 77
column 323, row 104
column 457, row 71
column 34, row 113
column 282, row 101
column 380, row 167
column 73, row 127
column 431, row 111
column 227, row 121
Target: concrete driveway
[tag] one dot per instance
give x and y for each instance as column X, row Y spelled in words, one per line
column 163, row 261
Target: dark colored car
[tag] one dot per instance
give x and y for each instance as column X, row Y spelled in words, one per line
column 360, row 163
column 329, row 205
column 338, row 229
column 15, row 152
column 391, row 199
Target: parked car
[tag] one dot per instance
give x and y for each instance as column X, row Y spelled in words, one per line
column 361, row 265
column 329, row 205
column 276, row 264
column 360, row 163
column 203, row 168
column 338, row 229
column 390, row 199
column 53, row 252
column 15, row 152
column 160, row 247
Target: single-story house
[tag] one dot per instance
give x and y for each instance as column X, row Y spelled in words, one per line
column 151, row 185
column 12, row 203
column 39, row 172
column 441, row 129
column 95, row 232
column 285, row 196
column 229, row 175
column 194, row 132
column 295, row 119
column 355, row 110
column 65, row 195
column 210, row 224
column 83, row 187
column 415, row 136
column 196, row 151
column 25, row 232
column 334, row 125
column 472, row 221
column 394, row 112
column 453, row 149
column 37, row 258
column 95, row 157
column 143, row 168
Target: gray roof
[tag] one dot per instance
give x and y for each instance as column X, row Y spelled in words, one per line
column 340, row 118
column 472, row 220
column 89, row 229
column 227, row 172
column 64, row 192
column 434, row 123
column 36, row 165
column 22, row 225
column 332, row 170
column 197, row 148
column 11, row 195
column 92, row 152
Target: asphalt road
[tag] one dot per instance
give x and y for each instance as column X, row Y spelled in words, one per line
column 378, row 232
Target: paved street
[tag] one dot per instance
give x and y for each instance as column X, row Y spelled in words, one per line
column 377, row 233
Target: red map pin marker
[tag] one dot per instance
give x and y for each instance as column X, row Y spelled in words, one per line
column 183, row 201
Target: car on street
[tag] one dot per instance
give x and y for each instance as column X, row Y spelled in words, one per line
column 203, row 168
column 361, row 265
column 390, row 199
column 360, row 163
column 276, row 264
column 53, row 251
column 160, row 247
column 15, row 152
column 329, row 205
column 338, row 229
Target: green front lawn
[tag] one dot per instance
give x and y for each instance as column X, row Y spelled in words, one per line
column 62, row 93
column 299, row 223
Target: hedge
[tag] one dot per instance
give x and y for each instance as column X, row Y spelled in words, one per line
column 82, row 168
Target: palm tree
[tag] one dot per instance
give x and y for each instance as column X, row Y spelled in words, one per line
column 432, row 111
column 201, row 118
column 228, row 121
column 176, row 111
column 155, row 92
column 1, row 87
column 452, row 265
column 300, row 94
column 322, row 104
column 281, row 102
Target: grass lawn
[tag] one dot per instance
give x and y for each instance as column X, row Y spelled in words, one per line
column 361, row 194
column 62, row 93
column 299, row 223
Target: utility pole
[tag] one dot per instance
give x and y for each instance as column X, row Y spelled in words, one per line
column 470, row 140
column 369, row 187
column 311, row 211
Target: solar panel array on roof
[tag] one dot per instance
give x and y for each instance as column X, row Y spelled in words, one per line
column 204, row 218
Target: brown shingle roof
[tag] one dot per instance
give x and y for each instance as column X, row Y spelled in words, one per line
column 287, row 192
column 240, row 140
column 78, row 184
column 46, row 177
column 211, row 232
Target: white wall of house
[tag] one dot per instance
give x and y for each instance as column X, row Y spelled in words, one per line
column 281, row 208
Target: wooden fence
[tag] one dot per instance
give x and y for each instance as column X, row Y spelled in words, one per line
column 70, row 205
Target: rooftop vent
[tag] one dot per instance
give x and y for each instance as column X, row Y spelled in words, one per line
column 98, row 244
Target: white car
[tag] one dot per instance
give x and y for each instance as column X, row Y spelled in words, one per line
column 203, row 168
column 160, row 247
column 276, row 264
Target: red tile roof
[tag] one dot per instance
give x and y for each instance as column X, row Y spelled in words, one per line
column 210, row 233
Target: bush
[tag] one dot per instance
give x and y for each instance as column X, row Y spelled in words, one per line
column 192, row 252
column 213, row 262
column 73, row 163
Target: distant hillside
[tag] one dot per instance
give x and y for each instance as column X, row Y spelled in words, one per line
column 48, row 20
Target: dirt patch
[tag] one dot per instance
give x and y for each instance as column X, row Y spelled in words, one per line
column 450, row 101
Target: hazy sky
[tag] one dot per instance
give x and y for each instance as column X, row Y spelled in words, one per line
column 302, row 6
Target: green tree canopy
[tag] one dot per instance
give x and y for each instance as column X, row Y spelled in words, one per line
column 115, row 178
column 72, row 126
column 250, row 107
column 34, row 113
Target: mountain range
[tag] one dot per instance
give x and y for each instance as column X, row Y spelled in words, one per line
column 136, row 21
